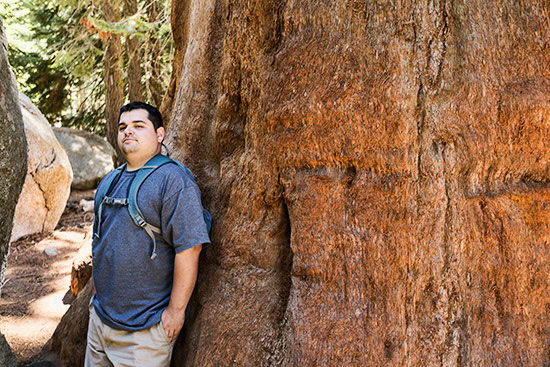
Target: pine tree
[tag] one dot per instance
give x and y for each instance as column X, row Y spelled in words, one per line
column 59, row 51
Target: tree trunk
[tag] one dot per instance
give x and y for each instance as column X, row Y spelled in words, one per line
column 379, row 179
column 133, row 51
column 13, row 152
column 154, row 81
column 112, row 67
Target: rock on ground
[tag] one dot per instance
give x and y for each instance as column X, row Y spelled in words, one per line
column 91, row 156
column 32, row 299
column 49, row 175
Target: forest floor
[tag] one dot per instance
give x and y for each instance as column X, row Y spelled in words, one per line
column 31, row 304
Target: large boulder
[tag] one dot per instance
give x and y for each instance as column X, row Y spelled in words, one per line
column 7, row 357
column 13, row 152
column 91, row 156
column 49, row 175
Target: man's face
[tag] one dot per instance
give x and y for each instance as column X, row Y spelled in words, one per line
column 137, row 135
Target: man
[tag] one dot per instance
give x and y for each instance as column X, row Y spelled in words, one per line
column 142, row 286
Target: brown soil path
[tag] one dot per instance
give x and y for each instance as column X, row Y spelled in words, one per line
column 32, row 297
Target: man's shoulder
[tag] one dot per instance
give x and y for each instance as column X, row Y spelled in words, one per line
column 167, row 180
column 174, row 172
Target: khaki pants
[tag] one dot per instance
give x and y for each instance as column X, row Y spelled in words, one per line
column 108, row 347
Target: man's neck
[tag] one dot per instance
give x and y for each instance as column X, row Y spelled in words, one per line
column 134, row 163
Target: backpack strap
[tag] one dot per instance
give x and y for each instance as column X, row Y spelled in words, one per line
column 102, row 195
column 135, row 213
column 108, row 185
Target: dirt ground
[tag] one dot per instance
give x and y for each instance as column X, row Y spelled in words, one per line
column 31, row 303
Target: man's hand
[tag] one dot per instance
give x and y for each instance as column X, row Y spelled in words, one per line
column 172, row 321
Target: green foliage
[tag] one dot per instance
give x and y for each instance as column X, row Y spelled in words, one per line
column 40, row 29
column 134, row 25
column 56, row 51
column 38, row 79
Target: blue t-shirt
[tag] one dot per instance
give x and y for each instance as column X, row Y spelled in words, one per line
column 132, row 289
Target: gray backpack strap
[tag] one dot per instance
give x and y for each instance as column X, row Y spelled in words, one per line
column 135, row 213
column 149, row 229
column 101, row 196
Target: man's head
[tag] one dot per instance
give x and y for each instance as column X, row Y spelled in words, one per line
column 140, row 133
column 153, row 113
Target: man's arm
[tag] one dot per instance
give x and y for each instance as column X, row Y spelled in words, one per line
column 185, row 275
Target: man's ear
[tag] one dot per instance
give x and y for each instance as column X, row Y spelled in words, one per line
column 160, row 134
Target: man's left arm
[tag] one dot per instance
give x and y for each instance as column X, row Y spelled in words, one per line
column 185, row 275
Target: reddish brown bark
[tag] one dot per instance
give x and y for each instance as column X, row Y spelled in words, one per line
column 378, row 175
column 180, row 22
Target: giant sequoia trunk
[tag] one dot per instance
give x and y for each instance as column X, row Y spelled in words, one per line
column 378, row 174
column 13, row 152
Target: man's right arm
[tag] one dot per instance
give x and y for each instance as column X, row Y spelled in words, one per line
column 186, row 266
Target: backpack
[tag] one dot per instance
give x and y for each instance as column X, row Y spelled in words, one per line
column 102, row 197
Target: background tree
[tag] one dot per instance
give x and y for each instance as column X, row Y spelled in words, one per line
column 156, row 84
column 133, row 52
column 59, row 47
column 112, row 66
column 63, row 85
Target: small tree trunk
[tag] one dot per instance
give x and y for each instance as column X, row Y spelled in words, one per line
column 112, row 67
column 13, row 152
column 154, row 82
column 133, row 51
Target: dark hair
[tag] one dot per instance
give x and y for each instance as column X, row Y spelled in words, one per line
column 153, row 113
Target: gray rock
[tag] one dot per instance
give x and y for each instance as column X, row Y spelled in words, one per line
column 13, row 152
column 86, row 205
column 91, row 156
column 7, row 357
column 51, row 251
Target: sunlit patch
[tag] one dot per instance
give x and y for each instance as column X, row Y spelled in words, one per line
column 32, row 299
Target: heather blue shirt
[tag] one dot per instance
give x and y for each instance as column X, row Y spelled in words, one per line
column 132, row 290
